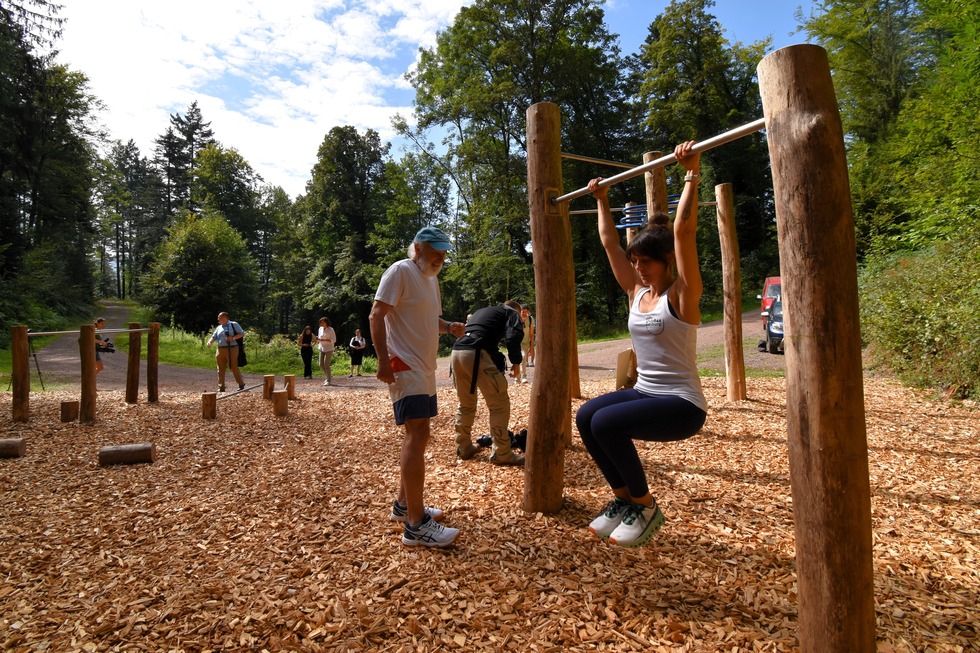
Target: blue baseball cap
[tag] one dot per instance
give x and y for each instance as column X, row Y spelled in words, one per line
column 435, row 237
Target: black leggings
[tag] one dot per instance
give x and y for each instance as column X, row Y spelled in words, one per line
column 609, row 423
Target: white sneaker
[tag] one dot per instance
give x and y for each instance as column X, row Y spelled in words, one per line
column 638, row 525
column 400, row 512
column 609, row 518
column 429, row 533
column 326, row 383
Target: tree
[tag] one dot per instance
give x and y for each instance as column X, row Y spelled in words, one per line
column 38, row 19
column 203, row 267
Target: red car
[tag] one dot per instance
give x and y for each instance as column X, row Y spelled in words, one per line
column 771, row 289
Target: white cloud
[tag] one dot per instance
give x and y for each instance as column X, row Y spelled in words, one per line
column 272, row 78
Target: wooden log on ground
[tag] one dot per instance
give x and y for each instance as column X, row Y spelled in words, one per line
column 209, row 405
column 127, row 454
column 828, row 448
column 86, row 353
column 153, row 363
column 280, row 403
column 549, row 421
column 69, row 411
column 133, row 364
column 290, row 382
column 268, row 385
column 20, row 373
column 731, row 269
column 13, row 447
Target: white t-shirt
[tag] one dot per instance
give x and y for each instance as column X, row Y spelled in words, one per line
column 666, row 352
column 413, row 323
column 329, row 333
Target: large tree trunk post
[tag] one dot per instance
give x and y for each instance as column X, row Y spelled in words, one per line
column 20, row 373
column 13, row 447
column 133, row 363
column 828, row 450
column 153, row 363
column 86, row 353
column 550, row 418
column 656, row 185
column 731, row 270
column 127, row 454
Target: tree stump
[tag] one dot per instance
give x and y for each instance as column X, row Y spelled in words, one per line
column 69, row 411
column 290, row 381
column 268, row 385
column 280, row 403
column 209, row 405
column 13, row 448
column 127, row 454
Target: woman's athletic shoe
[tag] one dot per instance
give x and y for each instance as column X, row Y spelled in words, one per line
column 609, row 518
column 638, row 525
column 400, row 512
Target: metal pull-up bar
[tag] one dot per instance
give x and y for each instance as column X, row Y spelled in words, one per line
column 702, row 146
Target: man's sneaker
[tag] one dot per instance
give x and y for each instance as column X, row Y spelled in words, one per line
column 326, row 383
column 467, row 450
column 400, row 512
column 638, row 525
column 609, row 518
column 429, row 533
column 509, row 458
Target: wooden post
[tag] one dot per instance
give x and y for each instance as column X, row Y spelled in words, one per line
column 732, row 287
column 133, row 364
column 20, row 373
column 268, row 385
column 828, row 451
column 656, row 185
column 69, row 411
column 128, row 454
column 209, row 405
column 280, row 403
column 86, row 353
column 549, row 421
column 153, row 363
column 13, row 447
column 290, row 381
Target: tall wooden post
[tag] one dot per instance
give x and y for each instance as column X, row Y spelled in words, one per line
column 656, row 185
column 20, row 373
column 153, row 363
column 828, row 450
column 133, row 363
column 731, row 271
column 549, row 421
column 86, row 354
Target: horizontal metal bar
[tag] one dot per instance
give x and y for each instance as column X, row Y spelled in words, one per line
column 671, row 205
column 702, row 146
column 31, row 334
column 232, row 394
column 587, row 159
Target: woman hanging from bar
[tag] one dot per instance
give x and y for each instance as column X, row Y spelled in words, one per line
column 667, row 403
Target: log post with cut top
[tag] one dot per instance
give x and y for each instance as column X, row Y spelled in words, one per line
column 20, row 373
column 828, row 449
column 133, row 363
column 731, row 270
column 86, row 353
column 153, row 363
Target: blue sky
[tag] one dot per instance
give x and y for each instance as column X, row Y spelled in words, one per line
column 274, row 77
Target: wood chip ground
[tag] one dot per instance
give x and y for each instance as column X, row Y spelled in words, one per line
column 256, row 533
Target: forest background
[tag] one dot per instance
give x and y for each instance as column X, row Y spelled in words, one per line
column 190, row 228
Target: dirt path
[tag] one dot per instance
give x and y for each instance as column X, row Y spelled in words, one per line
column 58, row 361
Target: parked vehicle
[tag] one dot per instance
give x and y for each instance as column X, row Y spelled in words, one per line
column 773, row 319
column 771, row 289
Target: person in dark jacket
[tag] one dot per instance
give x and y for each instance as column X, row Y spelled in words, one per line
column 478, row 363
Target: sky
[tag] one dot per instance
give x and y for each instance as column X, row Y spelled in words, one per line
column 273, row 77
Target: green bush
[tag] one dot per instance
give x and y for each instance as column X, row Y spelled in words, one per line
column 921, row 314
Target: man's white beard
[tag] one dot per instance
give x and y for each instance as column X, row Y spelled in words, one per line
column 429, row 269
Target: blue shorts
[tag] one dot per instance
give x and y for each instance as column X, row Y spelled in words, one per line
column 415, row 407
column 413, row 396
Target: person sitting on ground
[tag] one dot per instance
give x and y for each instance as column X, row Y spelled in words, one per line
column 477, row 363
column 667, row 403
column 227, row 334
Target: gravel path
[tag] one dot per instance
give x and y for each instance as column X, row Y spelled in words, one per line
column 58, row 361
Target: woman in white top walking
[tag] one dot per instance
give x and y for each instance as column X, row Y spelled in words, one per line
column 667, row 402
column 327, row 338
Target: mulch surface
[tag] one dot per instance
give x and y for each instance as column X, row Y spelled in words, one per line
column 252, row 532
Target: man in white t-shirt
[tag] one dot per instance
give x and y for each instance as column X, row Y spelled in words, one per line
column 405, row 326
